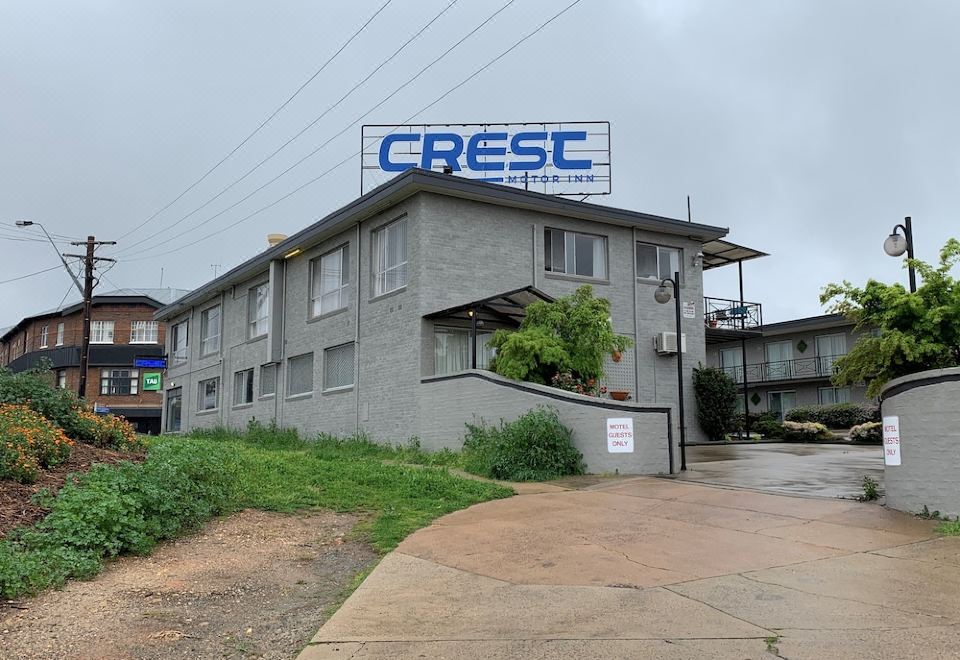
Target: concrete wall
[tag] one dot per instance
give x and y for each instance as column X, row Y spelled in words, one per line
column 927, row 406
column 448, row 402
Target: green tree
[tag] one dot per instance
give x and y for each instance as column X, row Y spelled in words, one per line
column 716, row 395
column 903, row 332
column 572, row 333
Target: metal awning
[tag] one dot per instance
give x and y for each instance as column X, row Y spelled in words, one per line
column 718, row 253
column 509, row 307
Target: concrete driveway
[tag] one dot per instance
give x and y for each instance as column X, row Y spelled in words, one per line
column 657, row 568
column 790, row 468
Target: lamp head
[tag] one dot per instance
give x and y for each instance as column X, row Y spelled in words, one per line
column 895, row 245
column 24, row 223
column 662, row 295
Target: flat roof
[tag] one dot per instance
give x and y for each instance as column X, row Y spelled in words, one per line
column 807, row 323
column 717, row 253
column 417, row 180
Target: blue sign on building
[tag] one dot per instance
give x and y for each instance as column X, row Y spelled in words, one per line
column 150, row 362
column 569, row 158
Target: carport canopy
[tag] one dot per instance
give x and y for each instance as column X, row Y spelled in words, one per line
column 509, row 307
column 718, row 253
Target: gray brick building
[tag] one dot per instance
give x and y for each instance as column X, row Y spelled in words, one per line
column 360, row 321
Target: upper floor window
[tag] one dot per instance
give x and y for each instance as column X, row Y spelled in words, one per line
column 101, row 332
column 178, row 342
column 330, row 282
column 210, row 331
column 656, row 262
column 59, row 334
column 44, row 335
column 390, row 257
column 258, row 310
column 573, row 253
column 143, row 332
column 118, row 382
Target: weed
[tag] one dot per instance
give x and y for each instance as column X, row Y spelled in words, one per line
column 929, row 515
column 772, row 641
column 871, row 490
column 949, row 528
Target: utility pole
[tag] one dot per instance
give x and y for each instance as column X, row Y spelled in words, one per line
column 88, row 284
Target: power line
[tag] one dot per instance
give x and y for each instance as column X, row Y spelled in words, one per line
column 331, row 139
column 39, row 272
column 355, row 154
column 298, row 134
column 263, row 123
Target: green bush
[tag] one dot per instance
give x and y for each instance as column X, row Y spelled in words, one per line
column 28, row 442
column 117, row 509
column 835, row 416
column 755, row 419
column 805, row 431
column 716, row 395
column 534, row 447
column 869, row 433
column 768, row 428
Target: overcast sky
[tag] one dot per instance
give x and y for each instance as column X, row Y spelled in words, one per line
column 808, row 128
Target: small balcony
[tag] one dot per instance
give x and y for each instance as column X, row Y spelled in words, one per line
column 731, row 319
column 821, row 366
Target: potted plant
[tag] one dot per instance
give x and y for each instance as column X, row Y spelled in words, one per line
column 619, row 395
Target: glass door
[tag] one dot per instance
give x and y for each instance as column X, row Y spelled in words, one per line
column 779, row 356
column 731, row 361
column 829, row 348
column 174, row 408
column 781, row 403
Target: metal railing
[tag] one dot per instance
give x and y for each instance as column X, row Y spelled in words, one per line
column 822, row 366
column 732, row 314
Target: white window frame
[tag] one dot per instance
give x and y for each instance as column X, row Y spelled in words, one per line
column 62, row 379
column 60, row 333
column 291, row 394
column 381, row 244
column 570, row 244
column 98, row 329
column 205, row 338
column 178, row 330
column 661, row 251
column 242, row 387
column 44, row 336
column 258, row 326
column 275, row 368
column 201, row 394
column 150, row 332
column 108, row 377
column 353, row 367
column 320, row 289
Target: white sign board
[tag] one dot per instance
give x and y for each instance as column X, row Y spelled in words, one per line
column 891, row 440
column 689, row 310
column 620, row 435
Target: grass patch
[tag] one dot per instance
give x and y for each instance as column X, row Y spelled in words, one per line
column 949, row 528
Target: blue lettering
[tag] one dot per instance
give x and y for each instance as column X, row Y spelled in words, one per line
column 388, row 165
column 519, row 149
column 449, row 156
column 560, row 138
column 474, row 150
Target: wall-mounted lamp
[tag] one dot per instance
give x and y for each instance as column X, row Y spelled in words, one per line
column 292, row 253
column 698, row 259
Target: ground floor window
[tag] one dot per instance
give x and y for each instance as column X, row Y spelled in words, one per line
column 243, row 387
column 208, row 395
column 118, row 382
column 300, row 374
column 338, row 367
column 451, row 350
column 174, row 408
column 830, row 395
column 62, row 379
column 781, row 402
column 268, row 380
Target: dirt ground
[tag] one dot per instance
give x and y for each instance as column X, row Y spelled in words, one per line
column 254, row 585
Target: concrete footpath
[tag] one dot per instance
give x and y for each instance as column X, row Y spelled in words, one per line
column 655, row 568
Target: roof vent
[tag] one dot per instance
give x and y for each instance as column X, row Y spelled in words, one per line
column 273, row 239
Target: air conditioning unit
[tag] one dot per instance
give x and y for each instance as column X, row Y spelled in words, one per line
column 666, row 343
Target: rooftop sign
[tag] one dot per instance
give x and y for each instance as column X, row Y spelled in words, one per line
column 567, row 158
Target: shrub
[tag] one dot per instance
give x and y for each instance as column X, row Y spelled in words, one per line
column 869, row 433
column 534, row 447
column 805, row 431
column 768, row 428
column 716, row 395
column 835, row 416
column 565, row 380
column 110, row 431
column 28, row 442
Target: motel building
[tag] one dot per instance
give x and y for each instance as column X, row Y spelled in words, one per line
column 376, row 319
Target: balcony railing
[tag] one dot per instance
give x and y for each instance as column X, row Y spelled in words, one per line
column 822, row 366
column 732, row 314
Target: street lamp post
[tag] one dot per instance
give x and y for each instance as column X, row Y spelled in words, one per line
column 896, row 245
column 31, row 223
column 662, row 295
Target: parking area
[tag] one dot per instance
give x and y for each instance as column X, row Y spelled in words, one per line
column 816, row 470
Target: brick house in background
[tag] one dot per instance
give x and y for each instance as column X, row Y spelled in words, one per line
column 122, row 327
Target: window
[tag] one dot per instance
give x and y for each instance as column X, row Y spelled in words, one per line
column 119, row 382
column 210, row 331
column 268, row 380
column 829, row 348
column 329, row 282
column 243, row 387
column 656, row 262
column 830, row 395
column 451, row 350
column 779, row 355
column 575, row 254
column 174, row 408
column 731, row 361
column 62, row 379
column 178, row 342
column 101, row 332
column 781, row 402
column 338, row 367
column 258, row 310
column 390, row 253
column 208, row 394
column 44, row 333
column 143, row 332
column 59, row 334
column 300, row 375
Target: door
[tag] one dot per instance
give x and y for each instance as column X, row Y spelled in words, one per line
column 174, row 408
column 731, row 361
column 779, row 356
column 829, row 348
column 781, row 402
